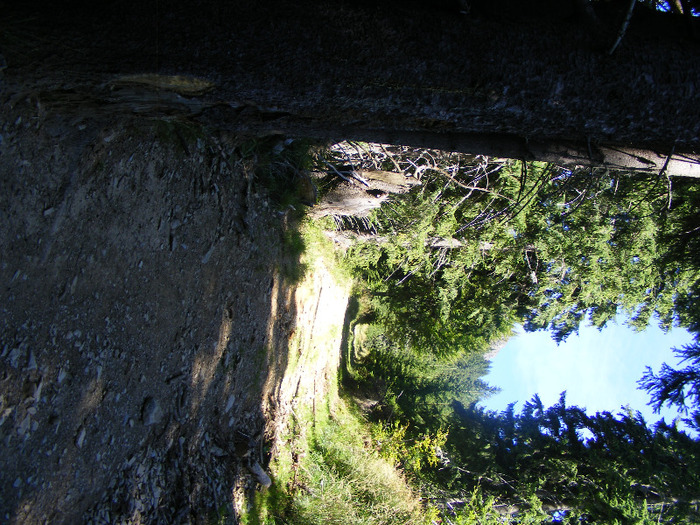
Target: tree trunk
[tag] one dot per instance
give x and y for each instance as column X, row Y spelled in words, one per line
column 361, row 193
column 532, row 85
column 557, row 151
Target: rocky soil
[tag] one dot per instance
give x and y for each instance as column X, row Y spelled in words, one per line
column 145, row 321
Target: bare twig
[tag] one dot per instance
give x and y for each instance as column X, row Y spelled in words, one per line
column 391, row 158
column 623, row 28
column 467, row 186
column 668, row 159
column 355, row 175
column 663, row 172
column 337, row 172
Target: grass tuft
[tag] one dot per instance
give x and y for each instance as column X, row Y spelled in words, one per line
column 342, row 481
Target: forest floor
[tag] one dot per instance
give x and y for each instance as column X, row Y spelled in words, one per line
column 156, row 330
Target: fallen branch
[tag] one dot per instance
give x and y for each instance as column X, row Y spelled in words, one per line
column 623, row 28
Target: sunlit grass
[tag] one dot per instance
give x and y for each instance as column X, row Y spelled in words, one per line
column 330, row 477
column 338, row 480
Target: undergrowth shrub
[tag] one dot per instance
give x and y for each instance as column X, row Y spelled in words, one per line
column 412, row 453
column 342, row 480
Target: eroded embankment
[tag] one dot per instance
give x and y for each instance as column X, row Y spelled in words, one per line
column 305, row 353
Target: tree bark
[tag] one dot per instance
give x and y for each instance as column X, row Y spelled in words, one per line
column 531, row 85
column 560, row 152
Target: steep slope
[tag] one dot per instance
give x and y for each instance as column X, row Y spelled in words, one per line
column 147, row 323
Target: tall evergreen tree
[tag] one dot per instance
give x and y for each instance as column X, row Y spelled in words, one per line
column 418, row 388
column 592, row 469
column 677, row 387
column 533, row 243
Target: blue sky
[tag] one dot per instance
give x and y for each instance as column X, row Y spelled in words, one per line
column 598, row 369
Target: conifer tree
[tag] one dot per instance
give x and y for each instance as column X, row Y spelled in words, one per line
column 591, row 469
column 536, row 244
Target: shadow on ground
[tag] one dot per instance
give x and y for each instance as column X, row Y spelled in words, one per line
column 140, row 301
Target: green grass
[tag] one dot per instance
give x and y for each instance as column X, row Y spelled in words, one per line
column 291, row 265
column 347, row 483
column 326, row 470
column 281, row 168
column 331, row 477
column 304, row 245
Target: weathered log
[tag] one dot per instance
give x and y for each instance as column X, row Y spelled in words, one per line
column 362, row 192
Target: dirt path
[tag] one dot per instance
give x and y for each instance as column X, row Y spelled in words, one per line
column 146, row 326
column 304, row 368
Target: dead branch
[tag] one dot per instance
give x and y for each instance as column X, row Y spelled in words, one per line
column 623, row 28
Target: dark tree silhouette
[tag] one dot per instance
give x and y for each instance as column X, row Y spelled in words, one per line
column 599, row 469
column 677, row 387
column 527, row 80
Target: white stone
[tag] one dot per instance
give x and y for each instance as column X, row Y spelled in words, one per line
column 229, row 403
column 81, row 438
column 151, row 413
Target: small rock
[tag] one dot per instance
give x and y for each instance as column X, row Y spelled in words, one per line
column 24, row 426
column 151, row 413
column 229, row 403
column 15, row 356
column 31, row 365
column 37, row 392
column 260, row 474
column 5, row 415
column 81, row 437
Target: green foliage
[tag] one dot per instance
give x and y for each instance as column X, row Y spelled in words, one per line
column 478, row 509
column 530, row 243
column 482, row 244
column 600, row 469
column 412, row 454
column 282, row 166
column 340, row 480
column 680, row 387
column 333, row 475
column 677, row 387
column 610, row 251
column 439, row 299
column 417, row 386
